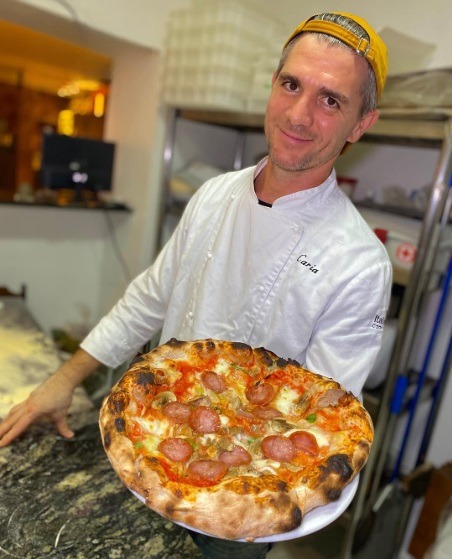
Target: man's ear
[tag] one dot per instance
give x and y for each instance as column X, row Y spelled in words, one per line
column 368, row 120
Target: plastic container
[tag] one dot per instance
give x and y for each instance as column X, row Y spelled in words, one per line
column 211, row 51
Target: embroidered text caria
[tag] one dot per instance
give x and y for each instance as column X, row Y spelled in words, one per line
column 302, row 260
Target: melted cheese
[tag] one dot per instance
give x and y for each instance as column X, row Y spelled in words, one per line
column 222, row 367
column 286, row 399
column 158, row 428
column 321, row 438
column 171, row 374
column 266, row 465
column 319, row 434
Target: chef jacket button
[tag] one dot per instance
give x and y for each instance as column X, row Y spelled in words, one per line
column 233, row 196
column 190, row 314
column 209, row 255
column 261, row 288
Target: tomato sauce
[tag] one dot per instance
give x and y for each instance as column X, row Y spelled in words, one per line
column 135, row 434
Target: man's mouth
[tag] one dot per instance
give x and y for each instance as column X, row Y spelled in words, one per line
column 296, row 137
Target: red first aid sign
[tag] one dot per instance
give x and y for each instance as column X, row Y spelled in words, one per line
column 406, row 253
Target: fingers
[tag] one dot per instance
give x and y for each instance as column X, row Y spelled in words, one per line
column 63, row 427
column 46, row 401
column 16, row 423
column 13, row 426
column 20, row 417
column 10, row 419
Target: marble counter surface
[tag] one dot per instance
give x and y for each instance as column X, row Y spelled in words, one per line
column 59, row 498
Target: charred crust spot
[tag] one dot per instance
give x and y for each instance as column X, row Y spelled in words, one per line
column 281, row 363
column 296, row 516
column 337, row 465
column 293, row 362
column 173, row 342
column 281, row 486
column 283, row 502
column 137, row 359
column 145, row 378
column 178, row 493
column 107, row 439
column 265, row 356
column 242, row 486
column 118, row 402
column 204, row 346
column 120, row 425
column 332, row 493
column 240, row 346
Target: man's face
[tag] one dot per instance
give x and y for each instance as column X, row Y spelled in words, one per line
column 314, row 106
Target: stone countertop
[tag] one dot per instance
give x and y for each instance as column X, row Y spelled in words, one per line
column 61, row 499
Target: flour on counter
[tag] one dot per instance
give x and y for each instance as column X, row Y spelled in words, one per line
column 27, row 358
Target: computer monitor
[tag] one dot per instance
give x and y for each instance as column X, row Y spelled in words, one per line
column 80, row 164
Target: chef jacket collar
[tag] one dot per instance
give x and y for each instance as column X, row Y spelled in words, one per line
column 302, row 196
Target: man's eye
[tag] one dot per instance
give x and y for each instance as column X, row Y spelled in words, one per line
column 331, row 102
column 290, row 86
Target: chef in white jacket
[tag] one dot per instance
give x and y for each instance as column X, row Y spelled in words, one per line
column 274, row 255
column 311, row 281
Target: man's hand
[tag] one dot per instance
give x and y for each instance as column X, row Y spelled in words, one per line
column 50, row 400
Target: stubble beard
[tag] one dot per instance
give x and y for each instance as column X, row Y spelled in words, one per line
column 308, row 161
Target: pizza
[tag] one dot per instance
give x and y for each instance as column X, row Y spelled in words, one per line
column 230, row 440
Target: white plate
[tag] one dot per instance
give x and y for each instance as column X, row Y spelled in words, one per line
column 312, row 522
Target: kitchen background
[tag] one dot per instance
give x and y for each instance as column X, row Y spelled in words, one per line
column 77, row 262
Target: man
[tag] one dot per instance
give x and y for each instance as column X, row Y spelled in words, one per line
column 273, row 256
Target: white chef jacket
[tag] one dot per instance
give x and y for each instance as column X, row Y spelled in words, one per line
column 306, row 279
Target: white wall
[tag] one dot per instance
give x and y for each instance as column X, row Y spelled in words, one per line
column 44, row 248
column 141, row 22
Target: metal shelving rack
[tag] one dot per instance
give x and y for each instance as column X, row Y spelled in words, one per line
column 419, row 130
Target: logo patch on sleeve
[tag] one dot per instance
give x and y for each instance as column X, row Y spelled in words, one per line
column 378, row 322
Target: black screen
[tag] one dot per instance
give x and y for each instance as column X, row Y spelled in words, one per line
column 77, row 163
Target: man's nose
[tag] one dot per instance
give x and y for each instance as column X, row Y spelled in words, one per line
column 301, row 112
